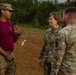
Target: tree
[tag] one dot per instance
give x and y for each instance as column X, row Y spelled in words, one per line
column 43, row 11
column 56, row 1
column 6, row 1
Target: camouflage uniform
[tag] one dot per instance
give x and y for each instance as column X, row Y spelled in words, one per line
column 65, row 63
column 48, row 47
column 6, row 67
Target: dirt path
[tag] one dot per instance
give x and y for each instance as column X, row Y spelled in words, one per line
column 27, row 55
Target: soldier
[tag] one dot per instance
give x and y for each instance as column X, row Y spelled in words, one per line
column 65, row 63
column 49, row 42
column 7, row 38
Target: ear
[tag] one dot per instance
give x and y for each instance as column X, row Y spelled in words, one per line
column 2, row 11
column 67, row 16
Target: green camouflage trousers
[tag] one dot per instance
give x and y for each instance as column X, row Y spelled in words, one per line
column 47, row 68
column 7, row 68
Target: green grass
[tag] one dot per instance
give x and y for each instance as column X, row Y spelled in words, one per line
column 34, row 26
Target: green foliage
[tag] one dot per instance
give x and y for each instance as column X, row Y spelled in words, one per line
column 33, row 26
column 43, row 11
column 6, row 1
column 32, row 12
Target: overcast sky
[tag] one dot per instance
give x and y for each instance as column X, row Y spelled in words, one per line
column 61, row 1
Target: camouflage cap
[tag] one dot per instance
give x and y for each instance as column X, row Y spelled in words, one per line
column 6, row 6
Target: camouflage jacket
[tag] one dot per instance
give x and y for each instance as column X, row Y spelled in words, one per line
column 65, row 63
column 49, row 44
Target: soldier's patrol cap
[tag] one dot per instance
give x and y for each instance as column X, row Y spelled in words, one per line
column 6, row 6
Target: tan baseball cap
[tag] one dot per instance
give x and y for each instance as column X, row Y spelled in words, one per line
column 6, row 6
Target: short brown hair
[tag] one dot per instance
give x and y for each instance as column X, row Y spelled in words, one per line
column 71, row 11
column 57, row 16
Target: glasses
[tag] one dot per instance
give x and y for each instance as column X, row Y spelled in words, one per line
column 11, row 11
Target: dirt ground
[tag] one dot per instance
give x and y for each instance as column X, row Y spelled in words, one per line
column 27, row 55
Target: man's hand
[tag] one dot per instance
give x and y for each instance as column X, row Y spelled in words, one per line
column 10, row 58
column 40, row 62
column 17, row 30
column 6, row 55
column 17, row 33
